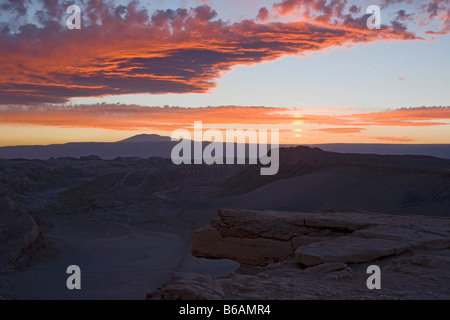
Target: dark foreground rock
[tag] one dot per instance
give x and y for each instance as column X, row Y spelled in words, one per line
column 21, row 241
column 319, row 256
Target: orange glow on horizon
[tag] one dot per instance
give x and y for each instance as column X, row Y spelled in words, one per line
column 108, row 122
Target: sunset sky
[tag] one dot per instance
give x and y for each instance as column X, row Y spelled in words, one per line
column 309, row 68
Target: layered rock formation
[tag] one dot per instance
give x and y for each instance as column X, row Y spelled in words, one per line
column 20, row 236
column 261, row 238
column 314, row 256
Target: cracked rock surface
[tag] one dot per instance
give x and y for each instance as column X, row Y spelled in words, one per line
column 318, row 256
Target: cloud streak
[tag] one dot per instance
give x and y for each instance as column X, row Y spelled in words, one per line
column 134, row 117
column 393, row 139
column 339, row 130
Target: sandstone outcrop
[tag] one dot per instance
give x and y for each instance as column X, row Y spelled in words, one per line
column 260, row 238
column 318, row 256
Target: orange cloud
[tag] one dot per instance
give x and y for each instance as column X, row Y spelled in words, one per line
column 134, row 117
column 124, row 50
column 393, row 139
column 341, row 11
column 340, row 130
column 126, row 117
column 405, row 117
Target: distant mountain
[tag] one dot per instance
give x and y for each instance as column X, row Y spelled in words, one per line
column 141, row 146
column 146, row 138
column 152, row 145
column 434, row 150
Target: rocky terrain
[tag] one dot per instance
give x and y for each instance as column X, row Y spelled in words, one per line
column 318, row 256
column 118, row 220
column 19, row 234
column 129, row 222
column 312, row 180
column 21, row 241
